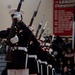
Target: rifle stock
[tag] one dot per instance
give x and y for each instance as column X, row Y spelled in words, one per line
column 9, row 54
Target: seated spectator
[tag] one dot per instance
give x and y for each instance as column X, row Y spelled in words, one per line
column 68, row 43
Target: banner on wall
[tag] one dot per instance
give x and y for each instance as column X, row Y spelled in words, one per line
column 63, row 13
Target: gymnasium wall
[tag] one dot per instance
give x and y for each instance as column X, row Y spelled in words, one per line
column 29, row 6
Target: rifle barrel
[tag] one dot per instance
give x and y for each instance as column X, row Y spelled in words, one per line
column 39, row 26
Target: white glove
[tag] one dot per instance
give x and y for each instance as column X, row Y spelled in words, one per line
column 31, row 28
column 17, row 15
column 55, row 53
column 14, row 40
column 50, row 50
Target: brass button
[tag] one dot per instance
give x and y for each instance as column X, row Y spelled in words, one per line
column 21, row 35
column 16, row 43
column 12, row 49
column 16, row 31
column 48, row 58
column 15, row 47
column 15, row 26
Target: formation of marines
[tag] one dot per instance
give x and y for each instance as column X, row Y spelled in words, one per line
column 23, row 44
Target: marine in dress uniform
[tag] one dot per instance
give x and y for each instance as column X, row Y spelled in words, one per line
column 19, row 42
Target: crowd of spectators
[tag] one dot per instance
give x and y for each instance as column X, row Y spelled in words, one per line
column 65, row 56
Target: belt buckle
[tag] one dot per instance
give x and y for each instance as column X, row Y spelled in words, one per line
column 15, row 47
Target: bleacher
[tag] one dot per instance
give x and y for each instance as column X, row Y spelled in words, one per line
column 2, row 62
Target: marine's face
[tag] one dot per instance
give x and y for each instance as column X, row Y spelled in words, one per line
column 12, row 19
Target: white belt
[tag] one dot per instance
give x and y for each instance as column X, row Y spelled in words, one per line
column 35, row 56
column 41, row 62
column 23, row 48
column 32, row 56
column 44, row 62
column 50, row 66
column 19, row 48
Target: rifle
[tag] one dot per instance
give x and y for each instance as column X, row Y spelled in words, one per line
column 39, row 26
column 34, row 14
column 8, row 54
column 42, row 31
column 52, row 39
